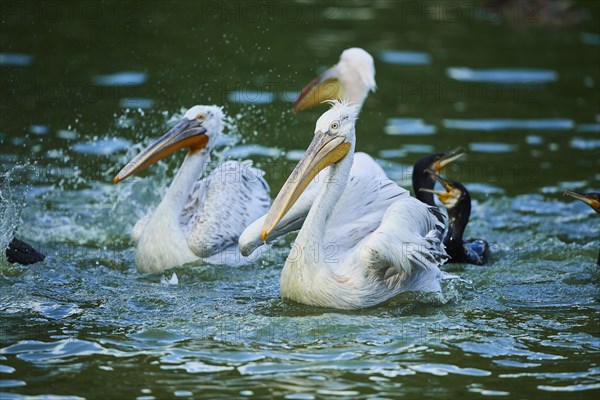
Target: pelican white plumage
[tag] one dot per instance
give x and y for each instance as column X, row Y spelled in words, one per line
column 364, row 239
column 197, row 219
column 351, row 79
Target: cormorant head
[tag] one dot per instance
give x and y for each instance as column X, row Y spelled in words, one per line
column 453, row 195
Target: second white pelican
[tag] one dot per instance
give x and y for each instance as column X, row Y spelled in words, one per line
column 351, row 79
column 364, row 239
column 197, row 219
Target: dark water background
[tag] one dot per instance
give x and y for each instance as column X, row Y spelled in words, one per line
column 85, row 84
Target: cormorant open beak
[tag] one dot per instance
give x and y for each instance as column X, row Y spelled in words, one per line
column 591, row 199
column 444, row 196
column 324, row 150
column 447, row 158
column 186, row 134
column 324, row 87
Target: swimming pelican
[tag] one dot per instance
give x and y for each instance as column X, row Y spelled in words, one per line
column 197, row 219
column 457, row 200
column 351, row 79
column 361, row 243
column 592, row 199
column 422, row 177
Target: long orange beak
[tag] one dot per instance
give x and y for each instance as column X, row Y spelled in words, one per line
column 324, row 87
column 324, row 150
column 186, row 134
column 451, row 193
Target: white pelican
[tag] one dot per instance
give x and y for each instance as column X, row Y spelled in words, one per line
column 197, row 219
column 364, row 239
column 351, row 79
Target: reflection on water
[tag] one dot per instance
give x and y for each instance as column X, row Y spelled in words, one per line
column 74, row 111
column 489, row 147
column 16, row 59
column 505, row 76
column 505, row 124
column 135, row 102
column 409, row 126
column 121, row 79
column 404, row 57
column 102, row 146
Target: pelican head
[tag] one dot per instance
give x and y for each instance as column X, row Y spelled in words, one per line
column 333, row 140
column 351, row 79
column 453, row 194
column 591, row 199
column 197, row 130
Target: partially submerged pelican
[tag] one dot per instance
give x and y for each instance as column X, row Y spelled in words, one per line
column 364, row 239
column 197, row 219
column 457, row 200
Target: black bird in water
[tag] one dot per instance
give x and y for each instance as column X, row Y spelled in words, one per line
column 422, row 178
column 457, row 200
column 591, row 199
column 22, row 253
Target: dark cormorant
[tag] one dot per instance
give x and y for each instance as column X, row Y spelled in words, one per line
column 457, row 200
column 422, row 178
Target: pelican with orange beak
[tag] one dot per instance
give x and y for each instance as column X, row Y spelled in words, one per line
column 351, row 79
column 197, row 220
column 364, row 240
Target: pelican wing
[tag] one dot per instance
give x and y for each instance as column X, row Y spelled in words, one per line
column 194, row 201
column 360, row 211
column 235, row 194
column 363, row 165
column 407, row 247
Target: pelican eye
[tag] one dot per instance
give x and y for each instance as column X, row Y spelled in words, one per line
column 334, row 127
column 200, row 117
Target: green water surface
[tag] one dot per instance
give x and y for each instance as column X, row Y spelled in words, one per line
column 85, row 84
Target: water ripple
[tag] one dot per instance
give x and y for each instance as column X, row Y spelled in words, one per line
column 195, row 367
column 445, row 369
column 570, row 388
